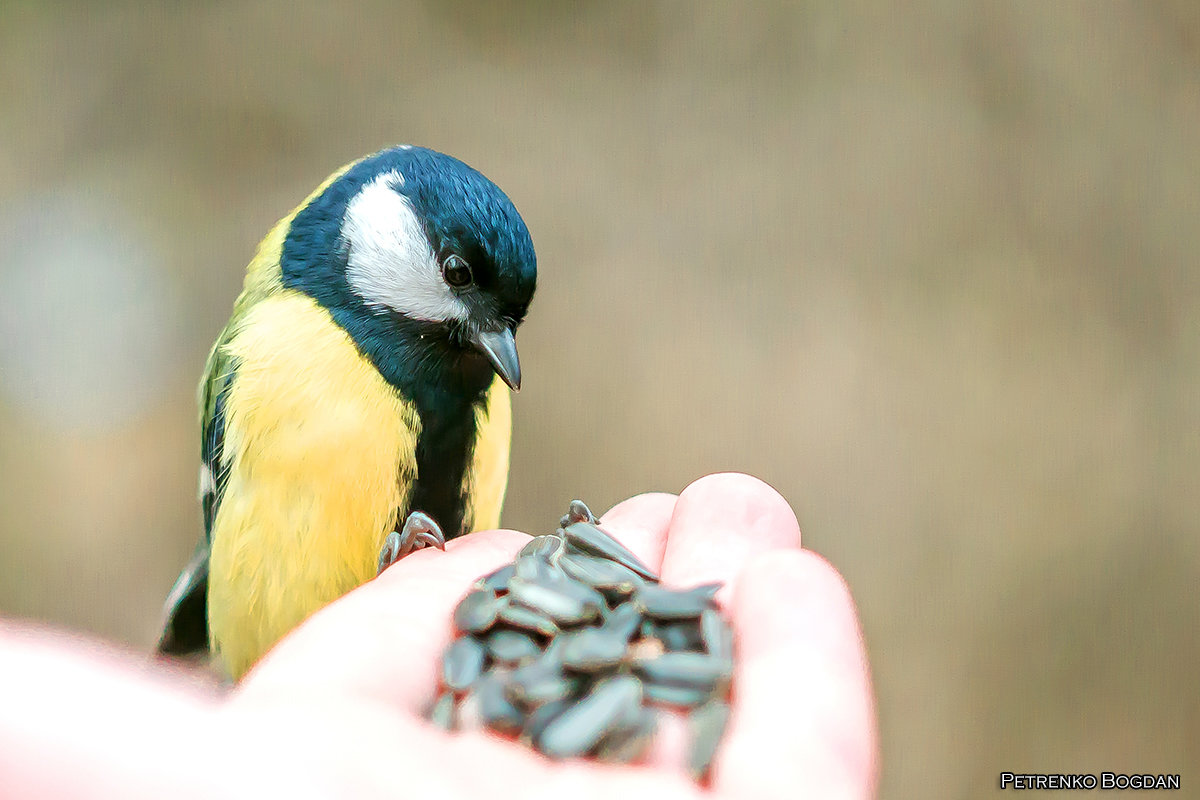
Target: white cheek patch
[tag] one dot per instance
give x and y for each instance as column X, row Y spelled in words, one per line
column 390, row 262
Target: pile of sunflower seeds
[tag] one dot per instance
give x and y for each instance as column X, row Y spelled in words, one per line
column 572, row 646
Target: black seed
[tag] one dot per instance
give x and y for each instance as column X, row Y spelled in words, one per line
column 577, row 512
column 588, row 538
column 717, row 636
column 540, row 717
column 534, row 692
column 443, row 714
column 537, row 570
column 586, row 598
column 678, row 696
column 585, row 594
column 497, row 711
column 539, row 683
column 679, row 636
column 542, row 681
column 477, row 611
column 593, row 649
column 497, row 581
column 655, row 601
column 512, row 647
column 547, row 548
column 558, row 606
column 629, row 742
column 623, row 621
column 707, row 590
column 578, row 729
column 600, row 573
column 462, row 663
column 683, row 669
column 707, row 726
column 528, row 619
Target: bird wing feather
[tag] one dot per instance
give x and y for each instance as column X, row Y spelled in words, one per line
column 185, row 629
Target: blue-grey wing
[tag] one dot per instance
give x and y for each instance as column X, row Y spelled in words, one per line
column 185, row 631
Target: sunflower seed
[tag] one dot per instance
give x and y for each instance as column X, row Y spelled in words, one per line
column 683, row 669
column 545, row 547
column 578, row 729
column 477, row 611
column 660, row 603
column 678, row 696
column 679, row 636
column 512, row 647
column 577, row 512
column 623, row 621
column 540, row 717
column 443, row 714
column 462, row 663
column 717, row 636
column 542, row 681
column 558, row 606
column 585, row 594
column 535, row 692
column 589, row 538
column 528, row 619
column 497, row 711
column 600, row 573
column 563, row 646
column 707, row 726
column 630, row 742
column 535, row 569
column 497, row 581
column 594, row 649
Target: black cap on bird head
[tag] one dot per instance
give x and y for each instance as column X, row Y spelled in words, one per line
column 426, row 264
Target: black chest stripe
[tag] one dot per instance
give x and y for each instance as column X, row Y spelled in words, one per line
column 444, row 452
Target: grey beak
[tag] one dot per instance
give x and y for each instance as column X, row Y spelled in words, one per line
column 500, row 347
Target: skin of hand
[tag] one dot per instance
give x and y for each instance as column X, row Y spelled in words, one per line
column 335, row 710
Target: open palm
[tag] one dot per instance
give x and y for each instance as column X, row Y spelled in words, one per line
column 336, row 709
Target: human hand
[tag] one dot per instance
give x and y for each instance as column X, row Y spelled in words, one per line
column 335, row 710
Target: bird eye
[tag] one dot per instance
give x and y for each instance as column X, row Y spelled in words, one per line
column 456, row 271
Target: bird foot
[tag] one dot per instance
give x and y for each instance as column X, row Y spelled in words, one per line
column 419, row 531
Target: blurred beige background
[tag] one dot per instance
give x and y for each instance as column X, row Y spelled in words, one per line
column 932, row 273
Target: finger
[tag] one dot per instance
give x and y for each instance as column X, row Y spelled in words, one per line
column 383, row 641
column 640, row 523
column 719, row 523
column 803, row 722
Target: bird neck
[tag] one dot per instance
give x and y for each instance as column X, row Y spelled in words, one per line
column 446, row 384
column 443, row 380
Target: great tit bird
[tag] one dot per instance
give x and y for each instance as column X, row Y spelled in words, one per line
column 356, row 406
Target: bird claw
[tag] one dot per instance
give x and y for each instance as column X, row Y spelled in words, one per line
column 419, row 531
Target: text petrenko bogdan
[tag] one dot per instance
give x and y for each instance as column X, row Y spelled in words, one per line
column 1086, row 780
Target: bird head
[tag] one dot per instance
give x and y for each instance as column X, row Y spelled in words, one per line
column 422, row 259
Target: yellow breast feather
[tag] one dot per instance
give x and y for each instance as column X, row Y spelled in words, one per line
column 487, row 477
column 314, row 442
